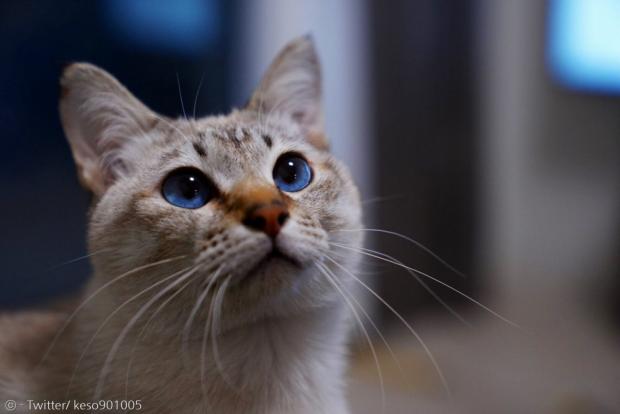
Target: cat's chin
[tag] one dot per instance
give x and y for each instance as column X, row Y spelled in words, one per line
column 275, row 285
column 275, row 260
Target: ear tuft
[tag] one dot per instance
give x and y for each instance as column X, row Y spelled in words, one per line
column 292, row 86
column 99, row 116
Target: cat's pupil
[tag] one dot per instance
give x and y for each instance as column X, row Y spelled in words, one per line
column 189, row 187
column 289, row 172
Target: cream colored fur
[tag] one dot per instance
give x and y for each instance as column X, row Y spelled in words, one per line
column 275, row 339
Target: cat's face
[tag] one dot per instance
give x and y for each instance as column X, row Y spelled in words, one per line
column 247, row 202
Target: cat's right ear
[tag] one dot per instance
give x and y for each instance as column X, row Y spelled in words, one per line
column 292, row 85
column 98, row 116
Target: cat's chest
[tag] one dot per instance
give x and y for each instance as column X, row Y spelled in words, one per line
column 289, row 366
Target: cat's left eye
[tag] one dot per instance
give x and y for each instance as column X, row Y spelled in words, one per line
column 292, row 173
column 187, row 188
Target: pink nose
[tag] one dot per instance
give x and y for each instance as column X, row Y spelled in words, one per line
column 267, row 218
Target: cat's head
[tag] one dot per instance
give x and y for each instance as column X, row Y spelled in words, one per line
column 250, row 201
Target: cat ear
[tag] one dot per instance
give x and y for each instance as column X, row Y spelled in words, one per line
column 98, row 116
column 292, row 85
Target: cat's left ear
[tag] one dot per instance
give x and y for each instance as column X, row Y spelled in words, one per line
column 292, row 85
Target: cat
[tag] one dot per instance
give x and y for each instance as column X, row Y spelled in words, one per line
column 217, row 283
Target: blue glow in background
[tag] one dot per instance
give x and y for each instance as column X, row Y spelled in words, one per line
column 584, row 44
column 182, row 26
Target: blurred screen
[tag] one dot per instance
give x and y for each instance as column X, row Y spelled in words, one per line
column 584, row 44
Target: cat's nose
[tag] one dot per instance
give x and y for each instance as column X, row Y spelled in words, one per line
column 267, row 218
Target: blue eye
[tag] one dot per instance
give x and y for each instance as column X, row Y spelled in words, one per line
column 292, row 173
column 187, row 188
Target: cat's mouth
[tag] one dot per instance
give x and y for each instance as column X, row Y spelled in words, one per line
column 273, row 258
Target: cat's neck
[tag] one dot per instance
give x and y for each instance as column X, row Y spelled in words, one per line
column 285, row 365
column 274, row 365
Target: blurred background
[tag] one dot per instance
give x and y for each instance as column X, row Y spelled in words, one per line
column 487, row 131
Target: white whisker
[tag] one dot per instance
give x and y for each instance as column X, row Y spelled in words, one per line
column 323, row 270
column 130, row 324
column 111, row 315
column 217, row 310
column 382, row 198
column 403, row 320
column 195, row 309
column 203, row 350
column 372, row 323
column 424, row 285
column 202, row 78
column 181, row 95
column 77, row 259
column 491, row 311
column 146, row 325
column 89, row 298
column 416, row 243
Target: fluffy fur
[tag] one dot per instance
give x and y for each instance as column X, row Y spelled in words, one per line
column 184, row 312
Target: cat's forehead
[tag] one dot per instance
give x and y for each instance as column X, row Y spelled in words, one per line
column 238, row 132
column 227, row 147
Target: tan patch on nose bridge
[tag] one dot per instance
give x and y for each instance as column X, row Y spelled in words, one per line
column 251, row 194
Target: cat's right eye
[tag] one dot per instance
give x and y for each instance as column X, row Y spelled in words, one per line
column 187, row 188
